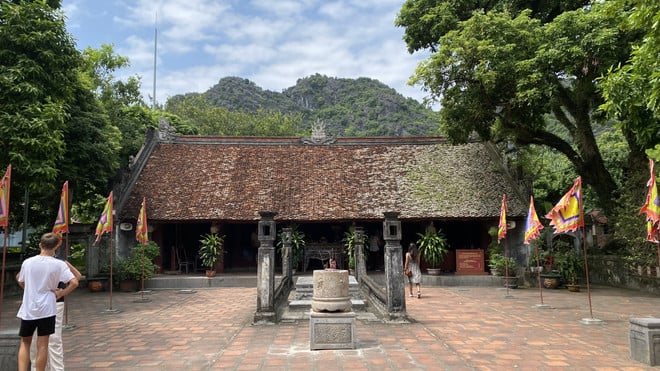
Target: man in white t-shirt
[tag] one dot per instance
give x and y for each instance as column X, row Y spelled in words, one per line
column 40, row 276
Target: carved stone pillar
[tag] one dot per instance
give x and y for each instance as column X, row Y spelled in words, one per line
column 360, row 264
column 287, row 259
column 266, row 268
column 394, row 283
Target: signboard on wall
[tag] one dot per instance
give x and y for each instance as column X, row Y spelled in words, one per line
column 470, row 262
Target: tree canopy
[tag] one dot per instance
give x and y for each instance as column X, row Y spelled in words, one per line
column 501, row 70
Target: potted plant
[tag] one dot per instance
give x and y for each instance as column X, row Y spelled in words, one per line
column 433, row 247
column 137, row 266
column 297, row 247
column 349, row 241
column 570, row 266
column 211, row 252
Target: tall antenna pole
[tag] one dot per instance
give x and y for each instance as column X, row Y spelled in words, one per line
column 153, row 106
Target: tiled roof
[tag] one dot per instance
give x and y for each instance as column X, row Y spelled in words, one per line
column 212, row 178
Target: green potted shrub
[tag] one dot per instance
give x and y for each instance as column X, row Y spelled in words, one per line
column 297, row 247
column 139, row 265
column 349, row 241
column 571, row 267
column 433, row 247
column 211, row 252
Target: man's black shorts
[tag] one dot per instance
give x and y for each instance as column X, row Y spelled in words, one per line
column 44, row 326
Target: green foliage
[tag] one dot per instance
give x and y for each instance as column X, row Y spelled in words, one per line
column 297, row 245
column 500, row 71
column 211, row 250
column 38, row 64
column 139, row 263
column 433, row 247
column 350, row 241
column 570, row 264
column 631, row 89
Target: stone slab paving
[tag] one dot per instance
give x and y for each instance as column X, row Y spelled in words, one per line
column 452, row 328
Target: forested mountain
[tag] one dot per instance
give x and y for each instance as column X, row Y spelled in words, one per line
column 349, row 107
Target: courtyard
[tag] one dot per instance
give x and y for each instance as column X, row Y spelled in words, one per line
column 451, row 328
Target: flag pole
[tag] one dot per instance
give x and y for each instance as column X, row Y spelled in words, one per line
column 538, row 273
column 4, row 261
column 111, row 258
column 66, row 303
column 506, row 266
column 586, row 270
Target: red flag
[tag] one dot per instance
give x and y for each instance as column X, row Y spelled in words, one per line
column 5, row 185
column 62, row 221
column 105, row 222
column 652, row 205
column 533, row 225
column 567, row 215
column 141, row 233
column 501, row 230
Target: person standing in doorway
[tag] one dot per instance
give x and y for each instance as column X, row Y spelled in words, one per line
column 40, row 276
column 374, row 251
column 412, row 264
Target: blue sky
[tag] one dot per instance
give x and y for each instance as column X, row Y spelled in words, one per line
column 270, row 42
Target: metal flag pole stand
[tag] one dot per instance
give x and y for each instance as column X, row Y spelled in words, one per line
column 506, row 269
column 541, row 305
column 591, row 320
column 66, row 325
column 142, row 299
column 111, row 310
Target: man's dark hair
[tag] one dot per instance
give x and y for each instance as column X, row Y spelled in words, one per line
column 49, row 241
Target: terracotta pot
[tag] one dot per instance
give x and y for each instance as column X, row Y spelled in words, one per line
column 210, row 273
column 128, row 285
column 573, row 288
column 551, row 281
column 95, row 286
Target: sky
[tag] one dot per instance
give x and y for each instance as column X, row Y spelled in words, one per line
column 272, row 43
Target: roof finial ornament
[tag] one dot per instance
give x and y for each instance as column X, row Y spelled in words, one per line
column 319, row 135
column 166, row 132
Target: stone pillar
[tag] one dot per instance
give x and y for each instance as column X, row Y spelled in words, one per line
column 331, row 320
column 266, row 268
column 287, row 259
column 394, row 283
column 358, row 250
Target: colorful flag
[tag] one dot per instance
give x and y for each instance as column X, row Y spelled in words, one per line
column 567, row 215
column 5, row 185
column 105, row 222
column 652, row 205
column 62, row 221
column 533, row 226
column 501, row 229
column 652, row 232
column 141, row 233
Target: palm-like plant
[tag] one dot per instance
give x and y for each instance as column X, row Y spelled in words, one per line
column 433, row 247
column 211, row 250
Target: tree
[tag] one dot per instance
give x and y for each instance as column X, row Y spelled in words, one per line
column 632, row 89
column 38, row 75
column 501, row 73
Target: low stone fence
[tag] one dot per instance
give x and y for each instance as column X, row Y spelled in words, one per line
column 614, row 271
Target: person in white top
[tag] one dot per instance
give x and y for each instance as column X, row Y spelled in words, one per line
column 40, row 276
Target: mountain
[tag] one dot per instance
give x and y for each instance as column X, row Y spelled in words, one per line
column 349, row 107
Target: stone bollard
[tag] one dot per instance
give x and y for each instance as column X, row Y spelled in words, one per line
column 9, row 343
column 331, row 320
column 644, row 334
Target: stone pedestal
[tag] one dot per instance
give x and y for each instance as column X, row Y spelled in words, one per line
column 331, row 330
column 331, row 291
column 331, row 320
column 644, row 334
column 9, row 343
